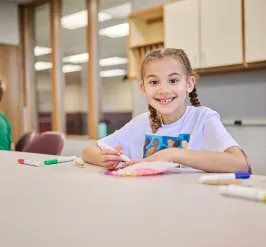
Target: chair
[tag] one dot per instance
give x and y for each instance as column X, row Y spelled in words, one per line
column 25, row 140
column 49, row 142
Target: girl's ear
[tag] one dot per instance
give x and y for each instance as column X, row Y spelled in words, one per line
column 191, row 84
column 142, row 88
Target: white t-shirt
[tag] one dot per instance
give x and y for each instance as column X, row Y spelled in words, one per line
column 199, row 128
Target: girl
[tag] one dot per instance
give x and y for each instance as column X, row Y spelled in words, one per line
column 167, row 78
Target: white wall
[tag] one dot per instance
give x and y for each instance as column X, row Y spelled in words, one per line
column 117, row 95
column 9, row 33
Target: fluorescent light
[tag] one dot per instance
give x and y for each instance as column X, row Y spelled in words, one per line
column 79, row 58
column 76, row 20
column 102, row 16
column 43, row 65
column 71, row 68
column 116, row 31
column 66, row 68
column 112, row 72
column 38, row 50
column 112, row 61
column 80, row 19
column 120, row 11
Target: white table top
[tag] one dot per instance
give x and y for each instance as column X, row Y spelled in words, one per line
column 62, row 205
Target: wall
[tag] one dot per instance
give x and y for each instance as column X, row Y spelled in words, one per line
column 117, row 95
column 9, row 23
column 140, row 4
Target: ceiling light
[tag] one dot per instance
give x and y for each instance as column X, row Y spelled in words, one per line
column 102, row 16
column 112, row 61
column 71, row 68
column 116, row 31
column 43, row 65
column 120, row 11
column 79, row 58
column 80, row 19
column 112, row 72
column 38, row 50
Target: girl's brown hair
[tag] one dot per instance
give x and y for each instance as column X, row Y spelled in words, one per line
column 181, row 56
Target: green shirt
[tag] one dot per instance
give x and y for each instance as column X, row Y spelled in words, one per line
column 5, row 133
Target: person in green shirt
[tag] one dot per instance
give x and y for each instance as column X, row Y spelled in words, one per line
column 5, row 128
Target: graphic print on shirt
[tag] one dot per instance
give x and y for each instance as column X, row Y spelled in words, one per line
column 155, row 143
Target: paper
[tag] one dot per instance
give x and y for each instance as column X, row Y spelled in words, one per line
column 144, row 169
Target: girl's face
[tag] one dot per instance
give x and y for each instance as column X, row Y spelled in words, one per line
column 165, row 85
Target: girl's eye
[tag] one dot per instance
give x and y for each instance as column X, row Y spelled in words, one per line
column 172, row 81
column 154, row 82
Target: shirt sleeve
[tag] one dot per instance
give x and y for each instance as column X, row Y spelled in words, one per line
column 120, row 137
column 216, row 136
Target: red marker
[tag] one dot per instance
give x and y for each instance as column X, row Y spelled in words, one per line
column 29, row 162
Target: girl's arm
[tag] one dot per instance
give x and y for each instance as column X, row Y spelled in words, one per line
column 231, row 160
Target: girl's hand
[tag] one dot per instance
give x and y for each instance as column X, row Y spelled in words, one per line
column 130, row 163
column 164, row 155
column 110, row 158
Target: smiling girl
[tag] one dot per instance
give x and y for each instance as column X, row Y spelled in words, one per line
column 166, row 80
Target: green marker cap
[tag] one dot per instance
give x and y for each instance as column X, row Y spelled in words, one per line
column 50, row 162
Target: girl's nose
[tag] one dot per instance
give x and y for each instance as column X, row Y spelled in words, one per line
column 164, row 88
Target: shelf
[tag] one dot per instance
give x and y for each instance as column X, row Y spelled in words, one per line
column 146, row 33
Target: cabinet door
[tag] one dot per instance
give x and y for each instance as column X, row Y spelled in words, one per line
column 221, row 32
column 255, row 27
column 181, row 28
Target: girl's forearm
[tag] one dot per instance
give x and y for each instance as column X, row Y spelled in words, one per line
column 204, row 160
column 92, row 155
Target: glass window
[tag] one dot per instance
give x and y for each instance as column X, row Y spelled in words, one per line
column 74, row 21
column 116, row 89
column 43, row 65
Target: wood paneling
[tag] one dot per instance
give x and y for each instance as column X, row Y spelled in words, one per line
column 12, row 103
column 26, row 48
column 57, row 73
column 93, row 83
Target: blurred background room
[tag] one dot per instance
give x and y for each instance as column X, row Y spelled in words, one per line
column 72, row 66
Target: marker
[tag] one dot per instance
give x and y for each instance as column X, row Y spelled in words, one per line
column 105, row 146
column 59, row 160
column 225, row 176
column 244, row 192
column 223, row 181
column 29, row 162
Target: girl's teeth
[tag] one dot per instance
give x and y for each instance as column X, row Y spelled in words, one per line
column 166, row 101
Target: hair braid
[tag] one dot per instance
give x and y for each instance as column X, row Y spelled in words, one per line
column 194, row 98
column 156, row 122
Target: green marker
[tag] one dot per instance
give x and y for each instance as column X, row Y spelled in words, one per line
column 59, row 160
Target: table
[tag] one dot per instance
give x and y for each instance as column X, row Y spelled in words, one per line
column 62, row 205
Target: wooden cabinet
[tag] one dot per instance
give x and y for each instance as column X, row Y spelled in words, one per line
column 181, row 28
column 146, row 33
column 221, row 33
column 255, row 30
column 208, row 30
column 217, row 35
